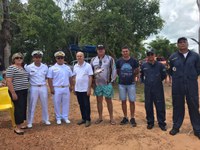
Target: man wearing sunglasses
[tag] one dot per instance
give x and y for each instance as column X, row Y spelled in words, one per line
column 185, row 69
column 152, row 75
column 104, row 74
column 60, row 83
column 38, row 89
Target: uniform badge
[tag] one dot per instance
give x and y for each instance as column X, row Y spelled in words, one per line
column 174, row 68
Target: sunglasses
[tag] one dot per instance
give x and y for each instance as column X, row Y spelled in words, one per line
column 59, row 57
column 100, row 63
column 18, row 58
column 150, row 54
column 37, row 56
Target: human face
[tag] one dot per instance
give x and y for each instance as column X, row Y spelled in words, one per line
column 183, row 46
column 150, row 57
column 37, row 59
column 125, row 53
column 60, row 60
column 18, row 60
column 101, row 52
column 80, row 57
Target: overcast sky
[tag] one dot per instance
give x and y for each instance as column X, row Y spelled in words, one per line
column 181, row 19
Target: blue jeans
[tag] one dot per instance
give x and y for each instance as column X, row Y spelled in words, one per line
column 129, row 90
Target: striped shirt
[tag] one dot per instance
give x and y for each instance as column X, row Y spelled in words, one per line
column 19, row 76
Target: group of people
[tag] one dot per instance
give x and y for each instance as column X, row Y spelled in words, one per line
column 100, row 74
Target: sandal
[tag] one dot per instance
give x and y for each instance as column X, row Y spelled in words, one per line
column 98, row 121
column 112, row 122
column 19, row 132
column 23, row 127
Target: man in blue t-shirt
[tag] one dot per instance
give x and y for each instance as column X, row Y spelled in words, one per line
column 127, row 68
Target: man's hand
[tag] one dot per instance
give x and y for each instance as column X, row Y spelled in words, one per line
column 89, row 92
column 52, row 91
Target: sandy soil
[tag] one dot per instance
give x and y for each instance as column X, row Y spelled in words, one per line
column 98, row 137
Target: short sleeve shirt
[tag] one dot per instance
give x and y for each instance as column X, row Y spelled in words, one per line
column 126, row 69
column 60, row 74
column 19, row 76
column 37, row 75
column 82, row 73
column 104, row 70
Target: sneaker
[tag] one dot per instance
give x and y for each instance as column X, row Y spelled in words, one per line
column 174, row 131
column 150, row 126
column 29, row 125
column 87, row 123
column 133, row 123
column 47, row 123
column 58, row 122
column 80, row 122
column 67, row 121
column 124, row 121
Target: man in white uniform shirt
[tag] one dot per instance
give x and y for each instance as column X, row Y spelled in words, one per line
column 60, row 79
column 83, row 81
column 38, row 89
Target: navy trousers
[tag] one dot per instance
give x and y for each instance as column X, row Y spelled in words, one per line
column 84, row 103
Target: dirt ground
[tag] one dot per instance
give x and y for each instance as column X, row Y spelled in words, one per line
column 98, row 137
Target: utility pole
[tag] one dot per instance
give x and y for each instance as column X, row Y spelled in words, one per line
column 198, row 4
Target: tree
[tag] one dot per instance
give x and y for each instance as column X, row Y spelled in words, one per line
column 38, row 25
column 116, row 23
column 163, row 47
column 5, row 36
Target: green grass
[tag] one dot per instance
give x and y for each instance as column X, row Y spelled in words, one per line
column 140, row 95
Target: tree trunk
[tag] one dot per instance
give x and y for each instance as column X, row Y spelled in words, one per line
column 5, row 36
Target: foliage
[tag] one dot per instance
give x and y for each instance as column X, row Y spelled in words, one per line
column 41, row 26
column 116, row 23
column 163, row 47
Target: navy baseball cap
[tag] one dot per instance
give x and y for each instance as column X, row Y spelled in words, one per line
column 181, row 39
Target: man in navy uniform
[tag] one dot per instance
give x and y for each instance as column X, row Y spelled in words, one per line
column 38, row 88
column 184, row 69
column 152, row 74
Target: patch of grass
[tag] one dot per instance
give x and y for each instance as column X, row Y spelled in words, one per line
column 140, row 94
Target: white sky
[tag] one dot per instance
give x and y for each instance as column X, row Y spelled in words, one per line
column 181, row 19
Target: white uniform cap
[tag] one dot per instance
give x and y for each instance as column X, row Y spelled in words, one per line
column 37, row 53
column 59, row 53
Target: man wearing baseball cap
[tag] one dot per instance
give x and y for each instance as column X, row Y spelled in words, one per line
column 60, row 81
column 104, row 75
column 185, row 69
column 38, row 89
column 152, row 74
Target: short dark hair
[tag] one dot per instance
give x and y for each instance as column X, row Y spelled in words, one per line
column 125, row 47
column 181, row 39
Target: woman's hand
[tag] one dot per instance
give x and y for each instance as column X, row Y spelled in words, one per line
column 14, row 96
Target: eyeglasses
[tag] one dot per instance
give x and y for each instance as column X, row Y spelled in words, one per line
column 18, row 58
column 150, row 54
column 37, row 56
column 60, row 57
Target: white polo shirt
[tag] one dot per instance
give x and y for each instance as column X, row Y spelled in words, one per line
column 37, row 75
column 82, row 73
column 60, row 74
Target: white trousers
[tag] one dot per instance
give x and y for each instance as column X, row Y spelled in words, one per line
column 61, row 99
column 35, row 93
